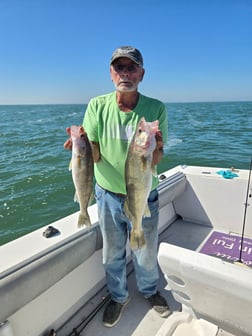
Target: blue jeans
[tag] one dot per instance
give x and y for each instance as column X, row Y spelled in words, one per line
column 115, row 228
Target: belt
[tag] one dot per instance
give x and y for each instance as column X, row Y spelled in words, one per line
column 116, row 194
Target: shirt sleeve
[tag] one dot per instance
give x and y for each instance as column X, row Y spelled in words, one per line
column 90, row 121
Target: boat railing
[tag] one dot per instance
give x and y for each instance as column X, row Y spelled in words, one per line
column 171, row 187
column 25, row 281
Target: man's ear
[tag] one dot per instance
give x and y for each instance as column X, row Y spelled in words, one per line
column 143, row 72
column 110, row 71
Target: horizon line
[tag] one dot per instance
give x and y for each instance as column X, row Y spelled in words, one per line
column 167, row 102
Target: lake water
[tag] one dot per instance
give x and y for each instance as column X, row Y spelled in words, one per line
column 36, row 185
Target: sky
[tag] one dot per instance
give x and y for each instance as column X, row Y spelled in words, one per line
column 58, row 51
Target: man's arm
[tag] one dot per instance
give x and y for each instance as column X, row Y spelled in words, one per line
column 95, row 150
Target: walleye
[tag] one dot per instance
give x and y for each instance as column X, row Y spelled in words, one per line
column 82, row 167
column 138, row 178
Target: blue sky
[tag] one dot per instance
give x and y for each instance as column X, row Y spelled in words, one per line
column 58, row 51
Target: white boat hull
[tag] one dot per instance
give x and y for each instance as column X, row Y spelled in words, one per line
column 44, row 282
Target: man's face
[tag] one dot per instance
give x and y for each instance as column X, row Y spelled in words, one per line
column 126, row 74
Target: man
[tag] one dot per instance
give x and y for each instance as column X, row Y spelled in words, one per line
column 110, row 121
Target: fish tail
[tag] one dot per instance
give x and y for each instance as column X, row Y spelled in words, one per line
column 137, row 240
column 84, row 220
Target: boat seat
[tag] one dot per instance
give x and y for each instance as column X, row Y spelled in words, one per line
column 211, row 289
column 24, row 282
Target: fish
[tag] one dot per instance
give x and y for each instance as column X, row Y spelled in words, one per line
column 82, row 166
column 138, row 178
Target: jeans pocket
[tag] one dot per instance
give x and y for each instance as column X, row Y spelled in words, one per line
column 99, row 191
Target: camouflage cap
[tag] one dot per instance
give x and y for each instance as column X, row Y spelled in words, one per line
column 129, row 52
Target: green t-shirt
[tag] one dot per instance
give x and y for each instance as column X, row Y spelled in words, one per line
column 113, row 129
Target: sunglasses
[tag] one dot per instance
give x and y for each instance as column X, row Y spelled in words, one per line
column 131, row 68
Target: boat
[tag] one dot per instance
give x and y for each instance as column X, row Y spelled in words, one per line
column 55, row 285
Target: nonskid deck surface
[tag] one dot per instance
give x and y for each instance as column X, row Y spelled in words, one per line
column 137, row 317
column 186, row 234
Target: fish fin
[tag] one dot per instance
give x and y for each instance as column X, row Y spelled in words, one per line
column 70, row 165
column 84, row 220
column 137, row 240
column 76, row 198
column 147, row 212
column 153, row 170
